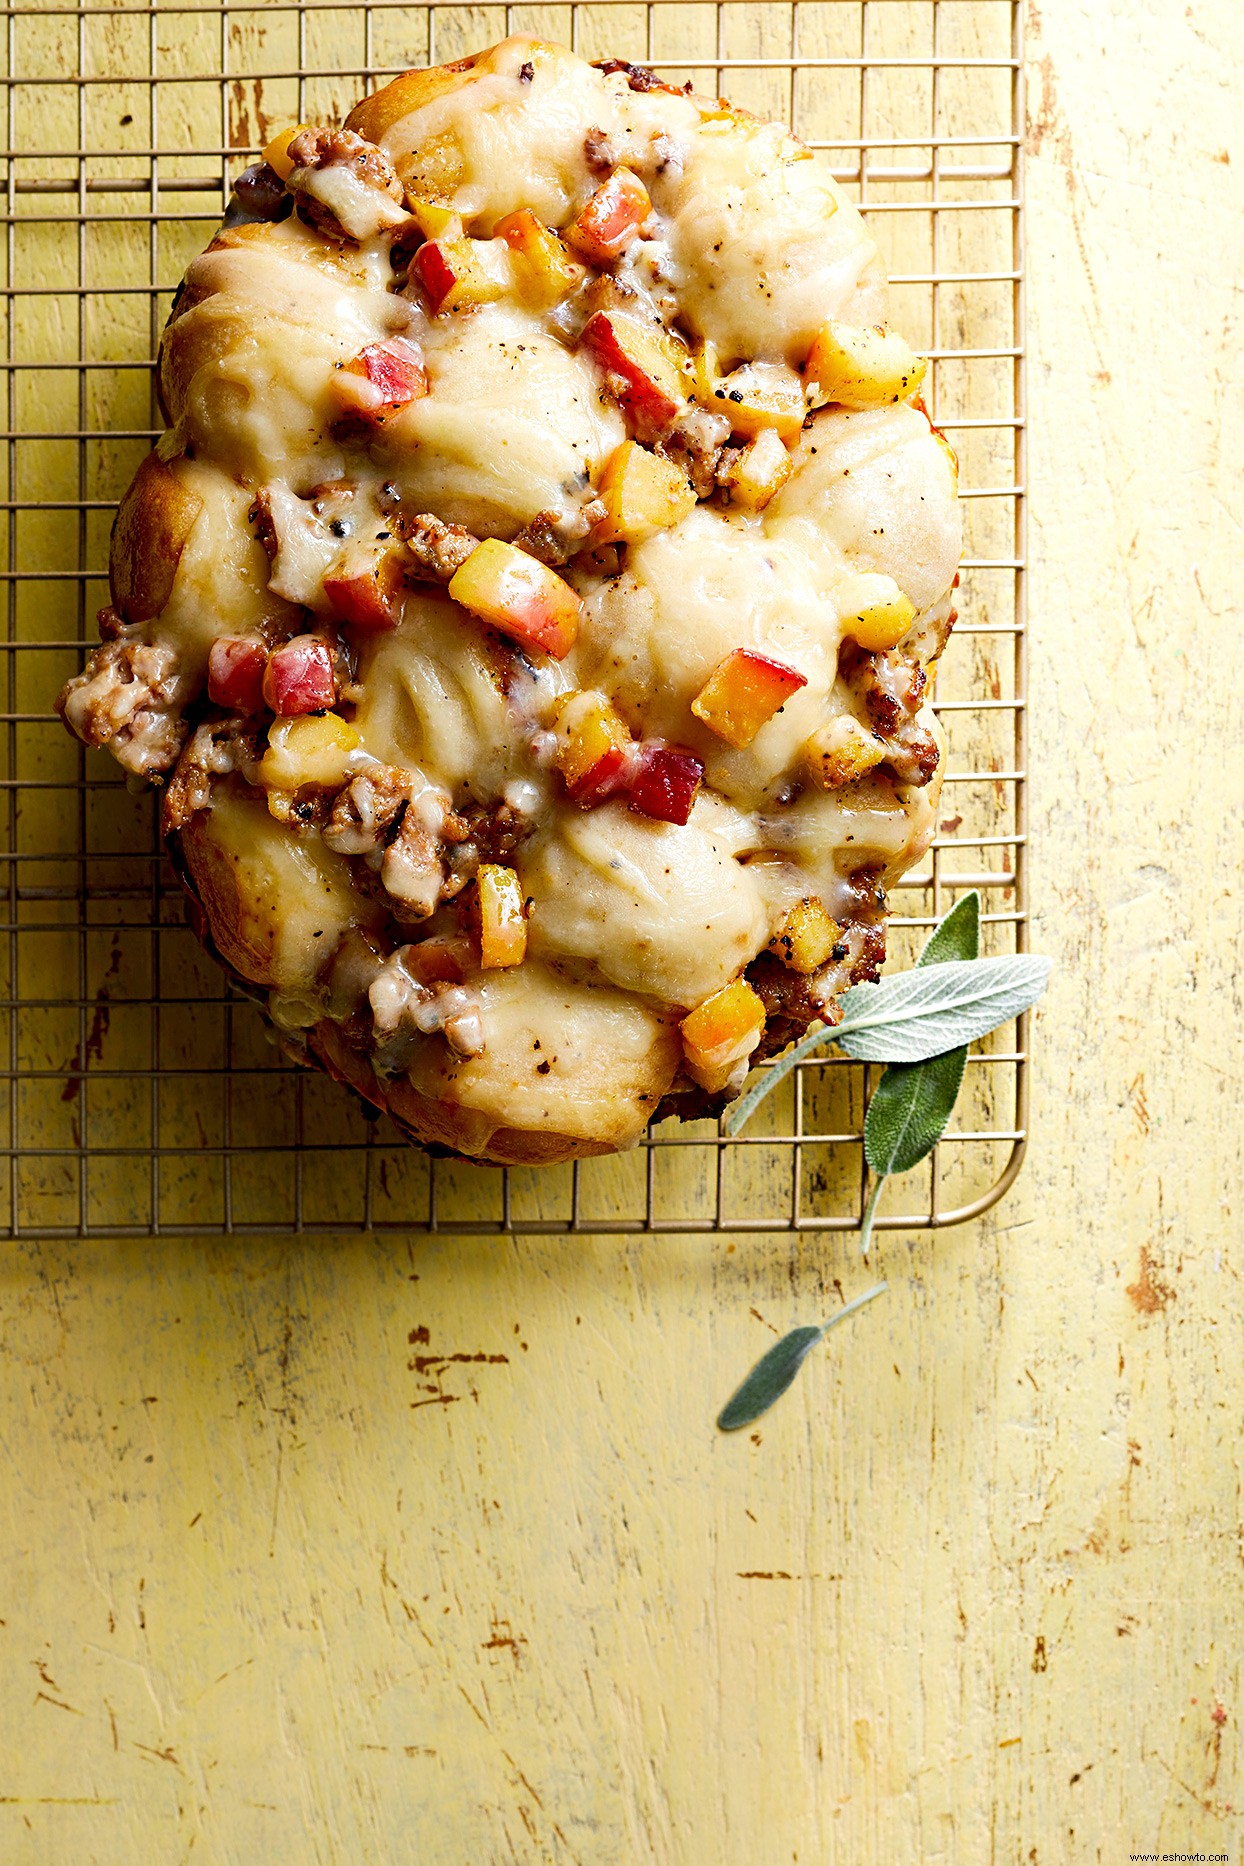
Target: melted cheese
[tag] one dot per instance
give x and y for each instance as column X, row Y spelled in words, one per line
column 631, row 921
column 518, row 141
column 687, row 599
column 514, row 425
column 221, row 584
column 664, row 911
column 248, row 369
column 431, row 697
column 579, row 1060
column 765, row 245
column 878, row 483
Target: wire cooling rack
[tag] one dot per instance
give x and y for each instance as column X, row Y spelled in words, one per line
column 141, row 1095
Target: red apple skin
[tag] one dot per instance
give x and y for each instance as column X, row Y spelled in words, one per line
column 666, row 784
column 363, row 588
column 300, row 678
column 650, row 404
column 435, row 274
column 395, row 368
column 235, row 671
column 520, row 597
column 603, row 779
column 742, row 694
column 611, row 219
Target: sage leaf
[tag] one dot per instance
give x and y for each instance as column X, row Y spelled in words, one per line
column 912, row 1103
column 769, row 1379
column 938, row 1007
column 775, row 1371
column 957, row 934
column 909, row 1110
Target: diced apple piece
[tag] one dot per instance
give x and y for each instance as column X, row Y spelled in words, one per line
column 365, row 585
column 594, row 754
column 458, row 275
column 842, row 752
column 276, row 155
column 757, row 396
column 310, row 750
column 666, row 783
column 382, row 377
column 435, row 221
column 611, row 219
column 758, row 471
column 742, row 694
column 235, row 671
column 437, row 961
column 874, row 611
column 807, row 936
column 861, row 366
column 502, row 921
column 546, row 272
column 300, row 678
column 643, row 494
column 522, row 598
column 721, row 1034
column 648, row 369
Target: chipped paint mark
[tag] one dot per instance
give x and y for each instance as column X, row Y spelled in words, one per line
column 1040, row 1660
column 780, row 1574
column 1150, row 1293
column 504, row 1639
column 1140, row 1103
column 422, row 1362
column 159, row 1755
column 59, row 1801
column 101, row 1017
column 475, row 1707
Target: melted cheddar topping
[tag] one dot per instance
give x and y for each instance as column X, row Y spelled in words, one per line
column 441, row 334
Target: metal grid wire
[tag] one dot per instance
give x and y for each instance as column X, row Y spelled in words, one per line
column 141, row 1093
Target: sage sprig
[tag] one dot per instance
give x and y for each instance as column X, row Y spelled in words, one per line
column 775, row 1370
column 914, row 1015
column 920, row 1023
column 912, row 1103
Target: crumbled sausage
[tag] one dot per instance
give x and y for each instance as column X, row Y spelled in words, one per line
column 554, row 538
column 638, row 77
column 599, row 152
column 345, row 186
column 892, row 686
column 218, row 747
column 368, row 811
column 129, row 697
column 437, row 550
column 695, row 441
column 404, row 1008
column 402, row 853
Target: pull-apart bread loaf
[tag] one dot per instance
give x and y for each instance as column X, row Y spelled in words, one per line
column 529, row 611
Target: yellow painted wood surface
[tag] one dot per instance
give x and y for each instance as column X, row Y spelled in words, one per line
column 375, row 1552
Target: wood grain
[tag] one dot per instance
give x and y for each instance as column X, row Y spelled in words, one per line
column 366, row 1552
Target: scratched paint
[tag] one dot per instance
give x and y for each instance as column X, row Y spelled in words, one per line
column 360, row 1552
